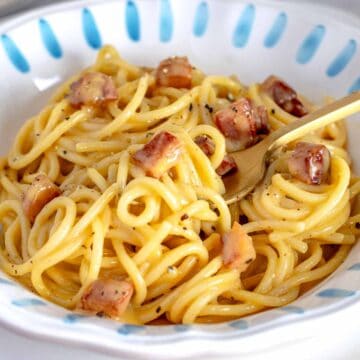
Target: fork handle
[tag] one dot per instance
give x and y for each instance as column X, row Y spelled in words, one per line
column 326, row 115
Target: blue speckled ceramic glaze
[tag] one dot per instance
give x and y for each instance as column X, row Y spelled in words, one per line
column 50, row 40
column 276, row 31
column 201, row 19
column 91, row 31
column 166, row 21
column 132, row 21
column 14, row 54
column 310, row 44
column 244, row 26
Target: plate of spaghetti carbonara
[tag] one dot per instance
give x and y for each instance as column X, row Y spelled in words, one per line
column 112, row 192
column 117, row 189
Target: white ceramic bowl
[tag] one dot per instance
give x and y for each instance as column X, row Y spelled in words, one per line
column 314, row 48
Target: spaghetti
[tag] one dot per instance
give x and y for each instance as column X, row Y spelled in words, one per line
column 160, row 228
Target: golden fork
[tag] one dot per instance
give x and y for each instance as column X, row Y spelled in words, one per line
column 251, row 162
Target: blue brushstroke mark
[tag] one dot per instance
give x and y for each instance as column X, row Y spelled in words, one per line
column 132, row 21
column 14, row 54
column 239, row 324
column 310, row 44
column 72, row 318
column 276, row 31
column 201, row 19
column 6, row 282
column 181, row 328
column 357, row 265
column 129, row 329
column 336, row 293
column 90, row 29
column 28, row 302
column 244, row 26
column 342, row 59
column 49, row 39
column 166, row 21
column 355, row 86
column 292, row 309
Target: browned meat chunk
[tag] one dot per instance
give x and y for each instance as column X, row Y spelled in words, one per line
column 40, row 192
column 158, row 155
column 238, row 250
column 242, row 123
column 310, row 163
column 205, row 144
column 284, row 96
column 107, row 296
column 227, row 166
column 93, row 89
column 174, row 72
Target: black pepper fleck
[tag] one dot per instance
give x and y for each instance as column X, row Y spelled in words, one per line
column 190, row 107
column 272, row 111
column 243, row 219
column 158, row 309
column 216, row 211
column 209, row 108
column 357, row 225
column 184, row 217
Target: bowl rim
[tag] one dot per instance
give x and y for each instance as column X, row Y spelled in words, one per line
column 44, row 331
column 13, row 20
column 124, row 348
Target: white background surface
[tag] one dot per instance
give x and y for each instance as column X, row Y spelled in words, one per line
column 338, row 338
